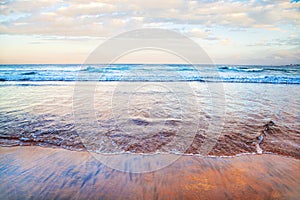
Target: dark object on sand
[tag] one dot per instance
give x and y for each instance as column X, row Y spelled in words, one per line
column 267, row 126
column 261, row 137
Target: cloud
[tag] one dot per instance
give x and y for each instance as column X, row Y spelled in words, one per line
column 200, row 33
column 291, row 40
column 225, row 27
column 103, row 18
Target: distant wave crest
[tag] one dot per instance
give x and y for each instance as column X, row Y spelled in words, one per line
column 241, row 69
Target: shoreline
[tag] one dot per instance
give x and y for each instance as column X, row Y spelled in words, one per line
column 155, row 153
column 34, row 172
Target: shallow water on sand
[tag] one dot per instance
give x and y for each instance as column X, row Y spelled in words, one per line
column 145, row 117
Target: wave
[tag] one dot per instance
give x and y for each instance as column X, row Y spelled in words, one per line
column 266, row 69
column 67, row 138
column 271, row 80
column 265, row 79
column 29, row 73
column 173, row 68
column 92, row 69
column 104, row 68
column 121, row 78
column 151, row 73
column 241, row 69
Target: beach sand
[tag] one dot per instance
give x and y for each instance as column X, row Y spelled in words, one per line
column 35, row 172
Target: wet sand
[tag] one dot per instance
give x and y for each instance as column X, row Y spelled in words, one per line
column 36, row 172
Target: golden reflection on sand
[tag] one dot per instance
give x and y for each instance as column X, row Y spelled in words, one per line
column 35, row 172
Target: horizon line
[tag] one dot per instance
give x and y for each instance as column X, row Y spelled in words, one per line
column 291, row 64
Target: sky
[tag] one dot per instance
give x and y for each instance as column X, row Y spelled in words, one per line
column 231, row 32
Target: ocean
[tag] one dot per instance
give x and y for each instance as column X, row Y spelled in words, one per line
column 152, row 72
column 222, row 110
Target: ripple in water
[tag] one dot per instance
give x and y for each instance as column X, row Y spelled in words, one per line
column 154, row 120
